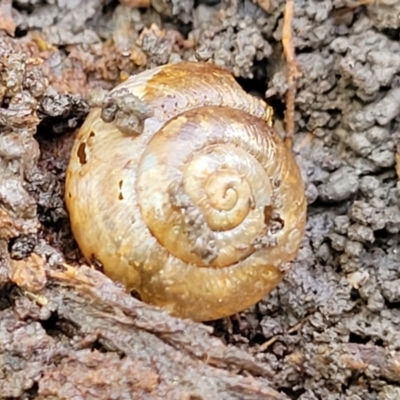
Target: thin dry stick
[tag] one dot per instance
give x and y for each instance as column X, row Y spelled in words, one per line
column 363, row 3
column 293, row 72
column 268, row 343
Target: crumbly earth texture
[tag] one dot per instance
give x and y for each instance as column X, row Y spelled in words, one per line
column 330, row 331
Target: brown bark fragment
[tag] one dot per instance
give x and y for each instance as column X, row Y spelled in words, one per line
column 154, row 356
column 29, row 273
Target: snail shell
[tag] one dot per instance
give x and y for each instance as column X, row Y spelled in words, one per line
column 184, row 193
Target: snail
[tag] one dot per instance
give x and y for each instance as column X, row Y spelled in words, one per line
column 181, row 190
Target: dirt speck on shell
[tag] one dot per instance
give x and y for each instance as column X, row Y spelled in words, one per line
column 330, row 330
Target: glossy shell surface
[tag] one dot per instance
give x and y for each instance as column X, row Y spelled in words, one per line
column 198, row 211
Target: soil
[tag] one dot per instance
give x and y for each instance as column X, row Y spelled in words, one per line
column 330, row 330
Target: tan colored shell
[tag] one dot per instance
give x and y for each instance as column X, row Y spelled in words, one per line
column 198, row 211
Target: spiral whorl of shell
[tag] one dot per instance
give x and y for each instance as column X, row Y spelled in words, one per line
column 197, row 207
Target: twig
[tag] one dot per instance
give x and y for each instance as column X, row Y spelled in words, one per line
column 268, row 343
column 293, row 72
